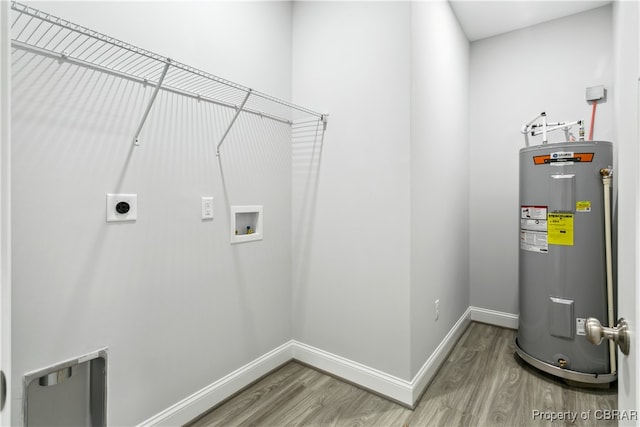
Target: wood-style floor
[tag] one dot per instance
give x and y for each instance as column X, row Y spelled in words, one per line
column 481, row 383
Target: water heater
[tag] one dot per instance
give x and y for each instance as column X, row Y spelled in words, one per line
column 562, row 259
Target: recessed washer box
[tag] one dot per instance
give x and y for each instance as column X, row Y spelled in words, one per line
column 246, row 223
column 122, row 207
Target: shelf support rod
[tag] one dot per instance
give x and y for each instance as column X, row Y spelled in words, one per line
column 238, row 111
column 151, row 101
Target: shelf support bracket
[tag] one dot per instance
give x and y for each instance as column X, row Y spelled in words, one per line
column 324, row 118
column 238, row 111
column 151, row 101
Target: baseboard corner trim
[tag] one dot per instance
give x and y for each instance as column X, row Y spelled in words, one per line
column 203, row 400
column 381, row 383
column 430, row 368
column 493, row 317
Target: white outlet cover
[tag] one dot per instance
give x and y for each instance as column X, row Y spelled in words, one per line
column 122, row 207
column 207, row 207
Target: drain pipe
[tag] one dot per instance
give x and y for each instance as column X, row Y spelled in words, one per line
column 607, row 175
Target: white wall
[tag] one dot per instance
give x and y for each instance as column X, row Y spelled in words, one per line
column 374, row 254
column 626, row 17
column 177, row 306
column 5, row 202
column 351, row 281
column 439, row 176
column 515, row 76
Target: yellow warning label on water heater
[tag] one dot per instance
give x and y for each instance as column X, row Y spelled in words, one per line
column 583, row 206
column 560, row 229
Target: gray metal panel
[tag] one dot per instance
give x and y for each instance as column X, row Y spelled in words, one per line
column 561, row 317
column 65, row 403
column 562, row 197
column 73, row 392
column 565, row 271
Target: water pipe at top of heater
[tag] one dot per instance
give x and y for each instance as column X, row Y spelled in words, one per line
column 534, row 128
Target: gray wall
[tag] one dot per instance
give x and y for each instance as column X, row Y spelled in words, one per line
column 375, row 253
column 351, row 256
column 439, row 176
column 176, row 304
column 515, row 76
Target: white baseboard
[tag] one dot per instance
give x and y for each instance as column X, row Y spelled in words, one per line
column 213, row 394
column 402, row 391
column 492, row 317
column 438, row 357
column 379, row 382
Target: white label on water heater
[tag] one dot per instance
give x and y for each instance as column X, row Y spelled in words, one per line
column 533, row 224
column 534, row 229
column 561, row 158
column 562, row 155
column 533, row 212
column 534, row 241
column 580, row 326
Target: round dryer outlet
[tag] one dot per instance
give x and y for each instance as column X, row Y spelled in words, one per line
column 122, row 207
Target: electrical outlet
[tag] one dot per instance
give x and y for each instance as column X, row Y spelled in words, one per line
column 122, row 207
column 437, row 310
column 207, row 208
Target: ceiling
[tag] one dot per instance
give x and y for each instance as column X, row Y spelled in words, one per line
column 481, row 18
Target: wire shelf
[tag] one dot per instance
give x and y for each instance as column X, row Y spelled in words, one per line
column 49, row 35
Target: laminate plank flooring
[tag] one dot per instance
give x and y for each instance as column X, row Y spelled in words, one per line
column 482, row 383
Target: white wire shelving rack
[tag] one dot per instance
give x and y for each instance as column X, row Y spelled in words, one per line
column 40, row 32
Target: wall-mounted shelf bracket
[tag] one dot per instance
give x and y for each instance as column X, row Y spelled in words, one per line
column 324, row 118
column 238, row 111
column 151, row 101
